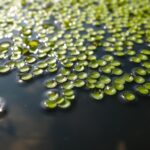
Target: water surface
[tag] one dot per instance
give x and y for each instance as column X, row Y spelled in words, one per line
column 87, row 125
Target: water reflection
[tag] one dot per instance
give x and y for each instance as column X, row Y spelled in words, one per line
column 86, row 125
column 122, row 145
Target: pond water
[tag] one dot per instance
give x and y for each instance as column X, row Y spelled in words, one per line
column 88, row 125
column 62, row 35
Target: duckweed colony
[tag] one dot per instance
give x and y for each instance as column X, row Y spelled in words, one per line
column 99, row 45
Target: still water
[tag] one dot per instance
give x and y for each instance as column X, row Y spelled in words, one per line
column 88, row 125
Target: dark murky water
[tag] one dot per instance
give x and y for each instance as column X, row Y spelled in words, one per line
column 88, row 125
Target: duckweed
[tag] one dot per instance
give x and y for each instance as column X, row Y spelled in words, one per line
column 99, row 85
column 119, row 87
column 108, row 58
column 91, row 80
column 72, row 76
column 105, row 79
column 79, row 68
column 115, row 63
column 82, row 75
column 147, row 85
column 117, row 71
column 52, row 69
column 102, row 62
column 135, row 59
column 52, row 96
column 60, row 100
column 67, row 85
column 65, row 71
column 90, row 85
column 61, row 79
column 110, row 90
column 4, row 46
column 24, row 69
column 42, row 65
column 140, row 71
column 139, row 79
column 79, row 83
column 119, row 80
column 33, row 44
column 49, row 104
column 142, row 57
column 128, row 96
column 145, row 51
column 142, row 90
column 106, row 69
column 128, row 78
column 97, row 95
column 50, row 83
column 95, row 74
column 93, row 64
column 37, row 71
column 26, row 76
column 65, row 104
column 4, row 69
column 30, row 59
column 69, row 92
column 75, row 48
column 146, row 64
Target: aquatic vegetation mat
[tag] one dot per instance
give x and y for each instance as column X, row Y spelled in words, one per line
column 102, row 46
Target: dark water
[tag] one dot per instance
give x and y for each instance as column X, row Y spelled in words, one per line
column 88, row 125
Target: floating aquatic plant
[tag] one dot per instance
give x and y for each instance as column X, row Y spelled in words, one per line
column 102, row 46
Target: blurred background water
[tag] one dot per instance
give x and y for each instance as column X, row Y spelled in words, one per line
column 87, row 125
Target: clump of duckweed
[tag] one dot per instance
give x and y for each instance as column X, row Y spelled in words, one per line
column 102, row 46
column 128, row 96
